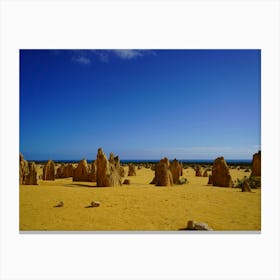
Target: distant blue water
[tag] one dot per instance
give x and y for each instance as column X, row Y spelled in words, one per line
column 191, row 161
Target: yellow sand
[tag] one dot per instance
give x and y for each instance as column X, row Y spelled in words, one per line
column 139, row 206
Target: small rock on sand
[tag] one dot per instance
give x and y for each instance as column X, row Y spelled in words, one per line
column 193, row 225
column 95, row 204
column 126, row 182
column 183, row 181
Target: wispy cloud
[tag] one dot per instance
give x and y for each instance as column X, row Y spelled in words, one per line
column 128, row 54
column 102, row 55
column 124, row 54
column 257, row 147
column 86, row 57
column 82, row 60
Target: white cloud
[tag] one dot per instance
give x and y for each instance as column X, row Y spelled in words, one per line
column 86, row 57
column 82, row 59
column 127, row 54
column 131, row 54
column 257, row 147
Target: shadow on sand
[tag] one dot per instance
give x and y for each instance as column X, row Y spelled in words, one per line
column 79, row 185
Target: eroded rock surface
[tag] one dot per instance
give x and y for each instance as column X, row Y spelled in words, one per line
column 49, row 171
column 220, row 173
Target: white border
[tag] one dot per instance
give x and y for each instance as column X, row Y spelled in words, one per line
column 124, row 24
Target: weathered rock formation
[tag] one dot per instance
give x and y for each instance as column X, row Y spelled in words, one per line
column 32, row 178
column 210, row 180
column 115, row 162
column 92, row 172
column 59, row 171
column 176, row 170
column 107, row 172
column 65, row 171
column 23, row 169
column 112, row 158
column 81, row 173
column 49, row 171
column 27, row 172
column 68, row 170
column 245, row 186
column 89, row 168
column 163, row 175
column 256, row 165
column 205, row 174
column 131, row 170
column 198, row 172
column 220, row 173
column 122, row 171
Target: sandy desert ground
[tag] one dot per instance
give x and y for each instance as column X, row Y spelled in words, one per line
column 139, row 206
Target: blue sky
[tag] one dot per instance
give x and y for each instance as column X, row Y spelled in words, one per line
column 140, row 104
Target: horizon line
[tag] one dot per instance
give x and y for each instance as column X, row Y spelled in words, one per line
column 154, row 159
